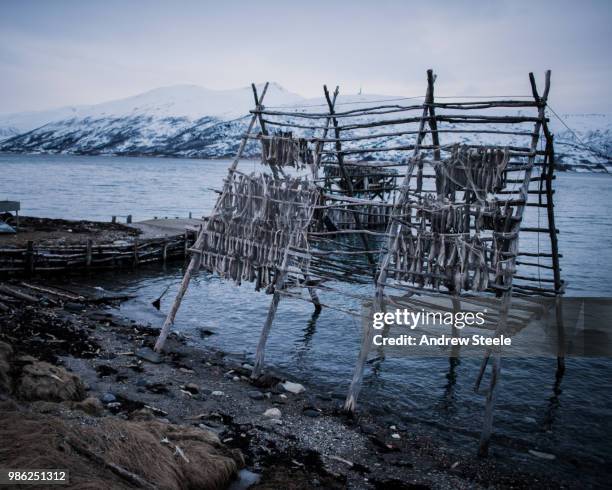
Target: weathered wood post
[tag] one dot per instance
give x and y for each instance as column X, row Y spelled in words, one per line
column 495, row 353
column 312, row 291
column 279, row 281
column 350, row 403
column 314, row 297
column 263, row 338
column 88, row 250
column 165, row 250
column 135, row 261
column 456, row 349
column 394, row 229
column 554, row 245
column 30, row 259
column 135, row 251
column 433, row 124
column 485, row 436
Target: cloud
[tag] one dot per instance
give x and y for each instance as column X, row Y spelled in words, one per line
column 60, row 53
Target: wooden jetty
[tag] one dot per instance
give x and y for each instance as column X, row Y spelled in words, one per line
column 160, row 241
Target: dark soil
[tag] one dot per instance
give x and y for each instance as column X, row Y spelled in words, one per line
column 48, row 335
column 47, row 231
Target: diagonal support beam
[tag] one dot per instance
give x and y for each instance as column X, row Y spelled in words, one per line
column 487, row 428
column 393, row 231
column 196, row 258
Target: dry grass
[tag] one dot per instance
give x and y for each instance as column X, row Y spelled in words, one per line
column 44, row 381
column 100, row 453
column 103, row 453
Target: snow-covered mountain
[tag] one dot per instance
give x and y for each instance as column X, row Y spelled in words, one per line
column 182, row 120
column 192, row 121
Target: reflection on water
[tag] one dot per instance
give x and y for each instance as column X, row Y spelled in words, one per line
column 571, row 418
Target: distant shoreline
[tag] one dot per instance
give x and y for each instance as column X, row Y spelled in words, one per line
column 560, row 167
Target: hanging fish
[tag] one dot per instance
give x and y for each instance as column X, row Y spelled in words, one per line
column 441, row 259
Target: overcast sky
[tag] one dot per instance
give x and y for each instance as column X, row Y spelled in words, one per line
column 56, row 53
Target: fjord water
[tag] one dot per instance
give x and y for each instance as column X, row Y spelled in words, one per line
column 574, row 423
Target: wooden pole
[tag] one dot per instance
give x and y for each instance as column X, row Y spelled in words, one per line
column 29, row 263
column 346, row 178
column 279, row 281
column 165, row 251
column 549, row 169
column 431, row 78
column 393, row 232
column 481, row 371
column 485, row 435
column 314, row 297
column 454, row 354
column 511, row 267
column 135, row 262
column 196, row 258
column 263, row 338
column 315, row 175
column 88, row 253
column 350, row 404
column 560, row 338
column 554, row 246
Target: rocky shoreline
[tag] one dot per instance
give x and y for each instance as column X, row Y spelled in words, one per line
column 289, row 436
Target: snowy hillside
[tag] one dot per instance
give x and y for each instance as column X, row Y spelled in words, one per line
column 192, row 121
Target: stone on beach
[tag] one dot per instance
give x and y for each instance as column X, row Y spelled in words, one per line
column 272, row 413
column 108, row 398
column 256, row 395
column 295, row 388
column 311, row 412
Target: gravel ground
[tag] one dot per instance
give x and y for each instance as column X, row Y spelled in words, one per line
column 289, row 440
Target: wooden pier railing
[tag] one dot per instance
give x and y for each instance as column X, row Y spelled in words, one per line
column 41, row 258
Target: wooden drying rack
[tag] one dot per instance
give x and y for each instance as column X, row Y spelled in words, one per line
column 355, row 252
